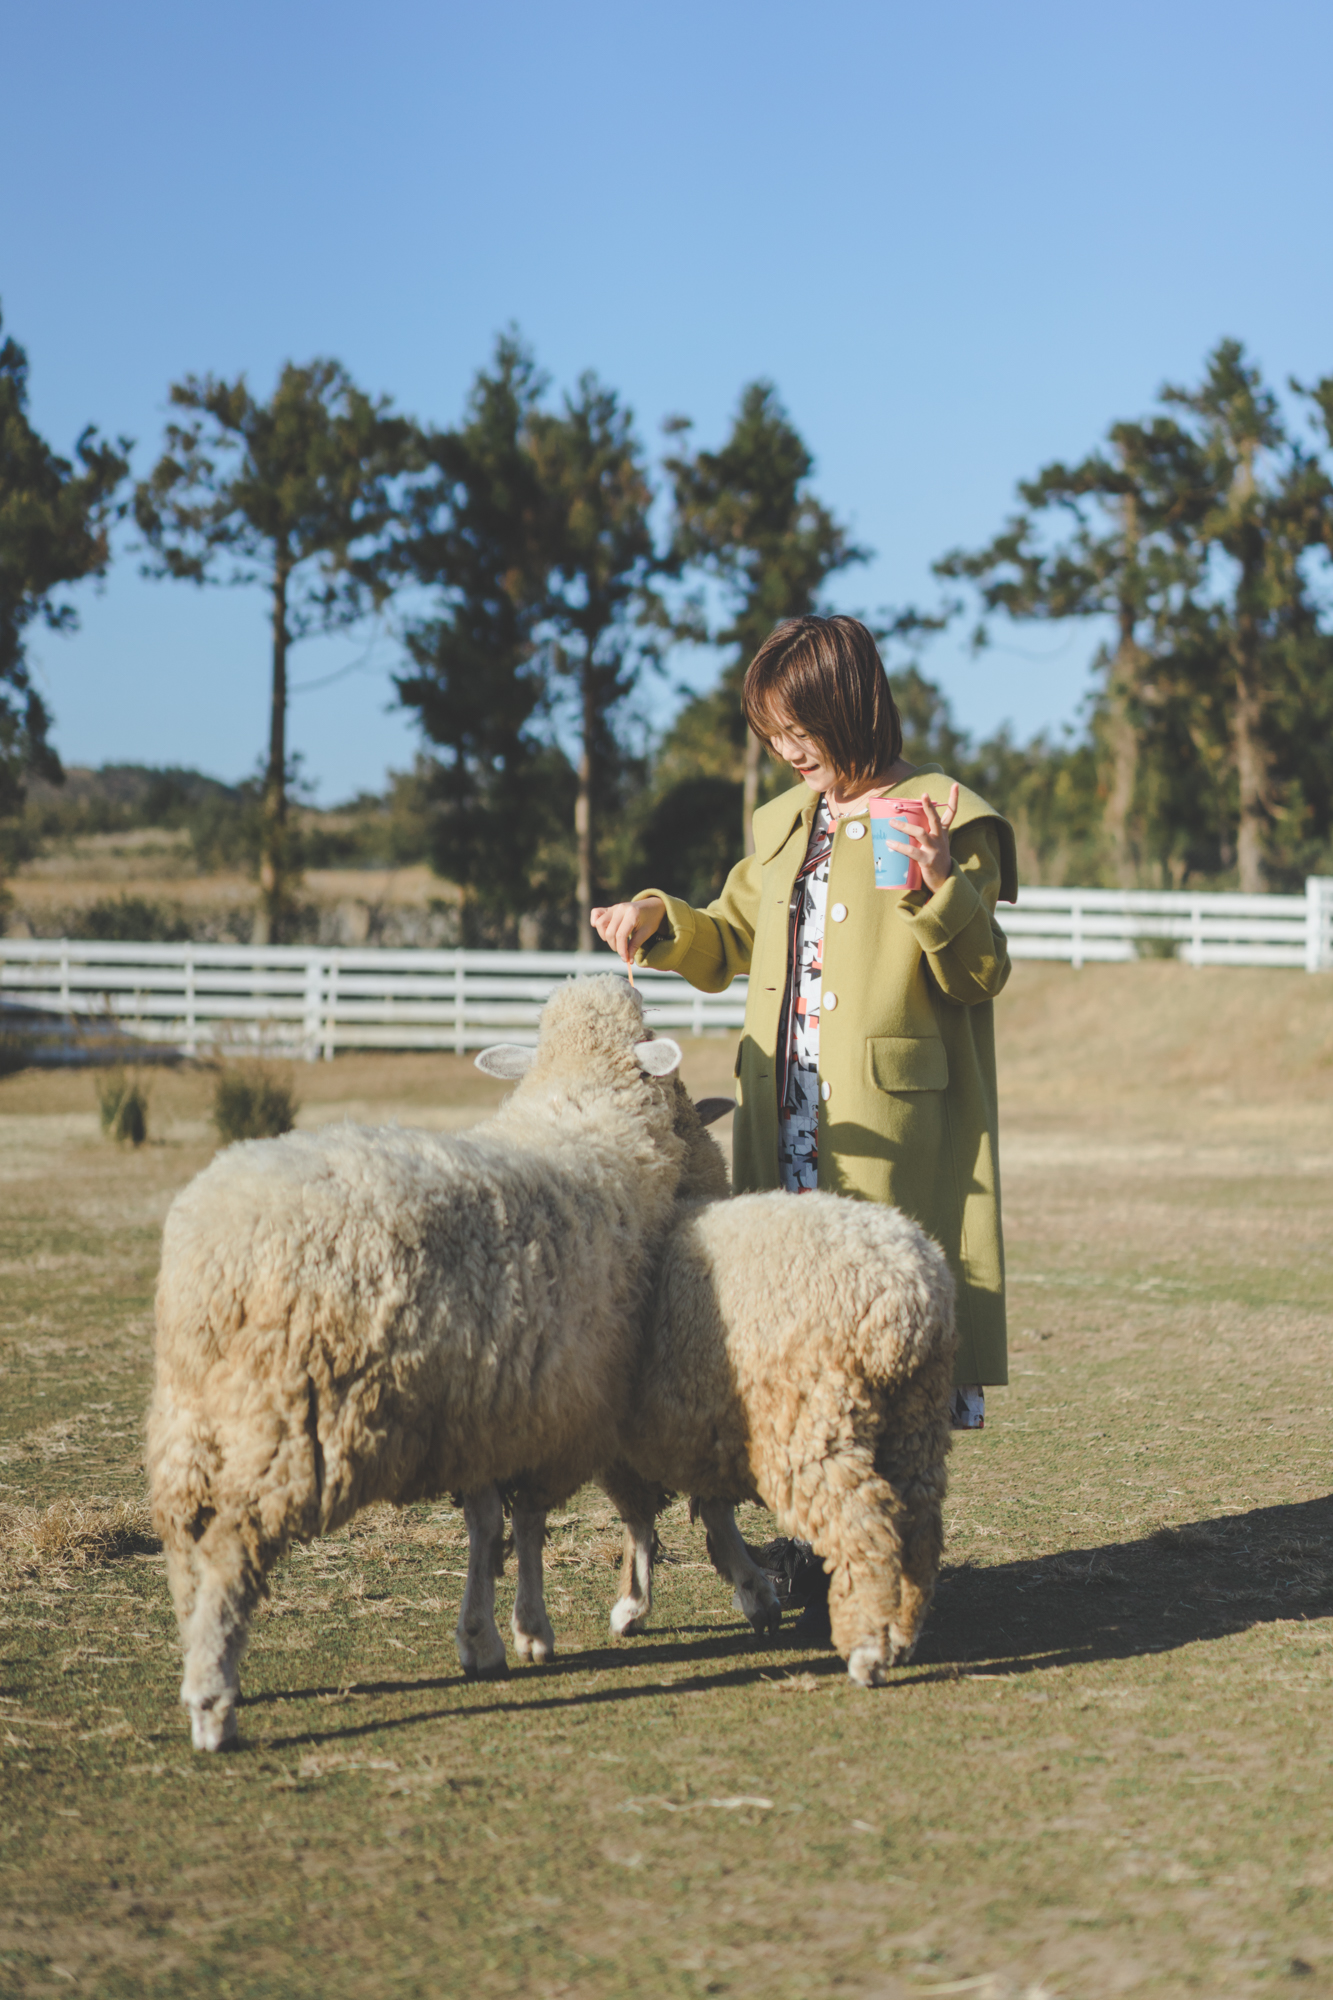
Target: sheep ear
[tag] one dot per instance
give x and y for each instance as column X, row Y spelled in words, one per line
column 660, row 1057
column 709, row 1109
column 506, row 1060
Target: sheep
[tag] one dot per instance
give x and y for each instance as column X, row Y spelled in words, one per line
column 703, row 1177
column 357, row 1316
column 800, row 1353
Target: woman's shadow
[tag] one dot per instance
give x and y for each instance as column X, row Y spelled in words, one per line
column 1172, row 1588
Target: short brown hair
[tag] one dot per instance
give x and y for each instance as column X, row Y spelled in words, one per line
column 826, row 676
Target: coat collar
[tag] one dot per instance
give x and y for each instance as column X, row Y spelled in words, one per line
column 774, row 822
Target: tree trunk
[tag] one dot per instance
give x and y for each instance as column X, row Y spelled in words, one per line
column 754, row 750
column 272, row 913
column 583, row 828
column 1122, row 684
column 1251, row 770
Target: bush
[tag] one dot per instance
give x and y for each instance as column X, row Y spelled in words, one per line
column 253, row 1101
column 133, row 920
column 123, row 1103
column 15, row 1052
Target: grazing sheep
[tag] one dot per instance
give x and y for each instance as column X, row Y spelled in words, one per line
column 357, row 1316
column 799, row 1352
column 703, row 1177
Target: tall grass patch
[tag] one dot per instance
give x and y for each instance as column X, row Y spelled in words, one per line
column 122, row 1103
column 254, row 1100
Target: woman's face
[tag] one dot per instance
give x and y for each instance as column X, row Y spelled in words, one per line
column 804, row 755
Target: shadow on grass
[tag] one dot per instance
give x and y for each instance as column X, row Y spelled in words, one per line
column 1177, row 1587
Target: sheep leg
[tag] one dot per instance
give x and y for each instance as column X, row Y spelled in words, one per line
column 224, row 1584
column 755, row 1597
column 629, row 1613
column 638, row 1503
column 481, row 1650
column 534, row 1639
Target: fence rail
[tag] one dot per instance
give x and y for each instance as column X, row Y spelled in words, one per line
column 314, row 1001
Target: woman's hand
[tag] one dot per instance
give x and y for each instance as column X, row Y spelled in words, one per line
column 625, row 926
column 930, row 847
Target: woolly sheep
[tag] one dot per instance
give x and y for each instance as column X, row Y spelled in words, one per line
column 799, row 1353
column 359, row 1316
column 703, row 1177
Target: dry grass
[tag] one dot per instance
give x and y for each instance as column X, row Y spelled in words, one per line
column 40, row 1543
column 1109, row 1770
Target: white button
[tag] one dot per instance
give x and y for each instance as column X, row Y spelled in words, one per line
column 838, row 912
column 828, row 1003
column 855, row 830
column 826, row 1091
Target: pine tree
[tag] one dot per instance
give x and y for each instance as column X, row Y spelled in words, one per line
column 746, row 519
column 55, row 518
column 477, row 537
column 1123, row 551
column 598, row 630
column 296, row 494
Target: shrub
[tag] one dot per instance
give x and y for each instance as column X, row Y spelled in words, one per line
column 253, row 1101
column 15, row 1052
column 123, row 1103
column 133, row 920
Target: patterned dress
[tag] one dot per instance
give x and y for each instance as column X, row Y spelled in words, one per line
column 798, row 1080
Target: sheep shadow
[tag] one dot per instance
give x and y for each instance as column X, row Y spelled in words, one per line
column 1181, row 1586
column 1176, row 1587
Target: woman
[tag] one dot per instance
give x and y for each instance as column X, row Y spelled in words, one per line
column 867, row 1061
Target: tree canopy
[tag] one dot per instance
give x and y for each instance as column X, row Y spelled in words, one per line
column 1193, row 534
column 745, row 518
column 297, row 494
column 55, row 520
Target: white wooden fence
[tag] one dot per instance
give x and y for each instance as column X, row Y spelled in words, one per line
column 290, row 999
column 313, row 1001
column 1080, row 925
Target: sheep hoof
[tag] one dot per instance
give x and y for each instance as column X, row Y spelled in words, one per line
column 482, row 1655
column 485, row 1670
column 213, row 1724
column 628, row 1618
column 761, row 1609
column 865, row 1666
column 535, row 1647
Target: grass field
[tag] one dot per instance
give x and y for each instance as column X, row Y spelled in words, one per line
column 1108, row 1771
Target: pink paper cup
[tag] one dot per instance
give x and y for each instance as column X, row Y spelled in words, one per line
column 895, row 819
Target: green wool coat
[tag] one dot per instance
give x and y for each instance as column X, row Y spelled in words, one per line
column 906, row 1030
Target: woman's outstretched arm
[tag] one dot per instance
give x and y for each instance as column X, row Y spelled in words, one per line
column 707, row 947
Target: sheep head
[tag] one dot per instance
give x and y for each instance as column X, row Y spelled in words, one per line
column 587, row 1027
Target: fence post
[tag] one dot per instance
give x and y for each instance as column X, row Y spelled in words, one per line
column 64, row 974
column 314, row 966
column 190, row 1038
column 1076, row 932
column 1319, row 923
column 460, row 1008
column 1196, row 930
column 698, row 1026
column 331, row 1007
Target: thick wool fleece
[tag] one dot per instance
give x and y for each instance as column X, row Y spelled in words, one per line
column 355, row 1315
column 800, row 1352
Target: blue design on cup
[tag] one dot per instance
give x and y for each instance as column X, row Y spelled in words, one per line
column 890, row 866
column 895, row 819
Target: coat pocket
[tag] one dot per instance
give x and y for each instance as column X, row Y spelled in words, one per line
column 907, row 1062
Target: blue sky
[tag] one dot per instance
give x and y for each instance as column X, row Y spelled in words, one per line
column 961, row 239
